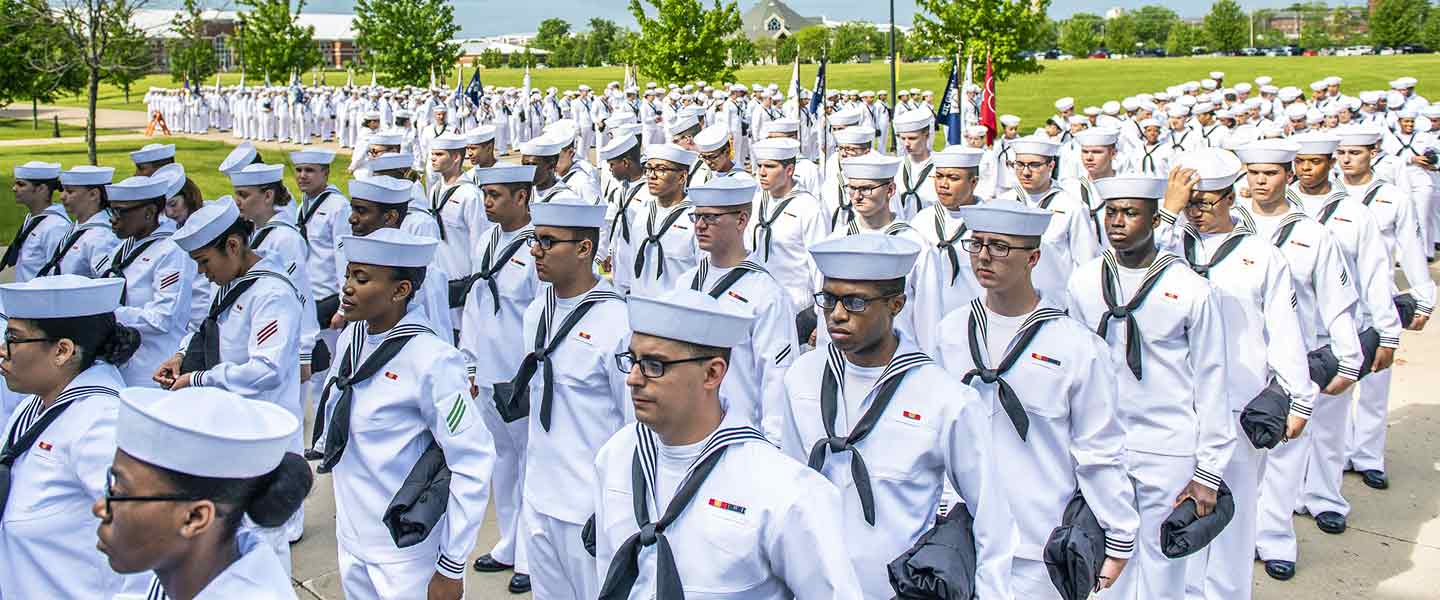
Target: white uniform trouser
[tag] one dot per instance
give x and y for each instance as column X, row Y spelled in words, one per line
column 560, row 568
column 1280, row 491
column 361, row 580
column 507, row 483
column 1223, row 569
column 1326, row 468
column 1365, row 445
column 1030, row 580
column 1150, row 575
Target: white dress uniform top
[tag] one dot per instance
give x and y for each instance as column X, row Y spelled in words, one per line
column 754, row 524
column 322, row 220
column 378, row 426
column 573, row 412
column 459, row 210
column 781, row 230
column 434, row 292
column 211, row 433
column 280, row 238
column 914, row 184
column 87, row 242
column 1050, row 386
column 1167, row 345
column 1072, row 233
column 259, row 318
column 39, row 235
column 47, row 534
column 662, row 245
column 158, row 280
column 916, row 428
column 623, row 203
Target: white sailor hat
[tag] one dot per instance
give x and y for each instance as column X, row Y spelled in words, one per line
column 1110, row 107
column 902, row 92
column 1314, row 117
column 448, row 141
column 1077, row 120
column 152, row 152
column 1065, row 103
column 976, row 131
column 239, row 157
column 1269, row 89
column 1394, row 100
column 1224, row 113
column 206, row 224
column 849, row 116
column 1358, row 135
column 381, row 189
column 77, row 175
column 691, row 316
column 1035, row 145
column 1431, row 112
column 390, row 247
column 204, row 431
column 776, row 149
column 712, row 138
column 1317, row 86
column 1218, row 169
column 544, row 145
column 1006, row 217
column 370, row 115
column 440, row 107
column 61, row 297
column 1009, row 120
column 1289, row 93
column 722, row 191
column 957, row 157
column 1217, row 74
column 1333, row 80
column 1098, row 136
column 1177, row 111
column 1092, row 111
column 1271, row 152
column 1332, row 109
column 1402, row 83
column 671, row 153
column 136, row 188
column 503, row 173
column 682, row 123
column 174, row 176
column 404, row 114
column 1201, row 108
column 564, row 129
column 913, row 120
column 1243, row 87
column 618, row 146
column 318, row 156
column 783, row 125
column 1263, row 80
column 480, row 135
column 865, row 257
column 855, row 135
column 867, row 94
column 1190, row 86
column 256, row 175
column 1131, row 186
column 1186, row 101
column 625, row 130
column 1208, row 84
column 392, row 160
column 872, row 166
column 575, row 213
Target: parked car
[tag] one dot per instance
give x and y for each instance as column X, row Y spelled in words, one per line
column 1250, row 52
column 1413, row 49
column 1052, row 54
column 1151, row 52
column 1101, row 53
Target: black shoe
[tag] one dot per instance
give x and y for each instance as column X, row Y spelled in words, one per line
column 486, row 564
column 1280, row 570
column 519, row 584
column 1330, row 522
column 1375, row 479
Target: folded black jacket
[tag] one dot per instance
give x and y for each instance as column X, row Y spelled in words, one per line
column 1183, row 533
column 1264, row 418
column 420, row 502
column 941, row 565
column 1075, row 551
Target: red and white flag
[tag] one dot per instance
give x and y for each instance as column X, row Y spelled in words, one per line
column 988, row 116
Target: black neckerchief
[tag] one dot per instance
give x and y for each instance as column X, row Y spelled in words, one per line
column 490, row 266
column 947, row 243
column 912, row 189
column 651, row 237
column 351, row 372
column 309, row 212
column 127, row 254
column 52, row 267
column 1147, row 164
column 203, row 352
column 702, row 273
column 1110, row 291
column 12, row 254
column 978, row 332
column 764, row 224
column 545, row 345
column 622, row 216
column 438, row 199
column 1191, row 241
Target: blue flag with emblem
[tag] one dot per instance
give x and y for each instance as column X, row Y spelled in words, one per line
column 475, row 90
column 818, row 97
column 950, row 114
column 297, row 93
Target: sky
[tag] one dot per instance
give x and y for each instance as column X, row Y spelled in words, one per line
column 479, row 18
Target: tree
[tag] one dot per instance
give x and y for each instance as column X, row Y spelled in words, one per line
column 1431, row 34
column 813, row 43
column 1314, row 36
column 274, row 44
column 685, row 41
column 1000, row 28
column 1184, row 38
column 1080, row 34
column 1047, row 38
column 405, row 39
column 191, row 55
column 1397, row 22
column 1225, row 26
column 1120, row 34
column 551, row 34
column 765, row 48
column 849, row 41
column 492, row 58
column 786, row 50
column 78, row 43
column 1153, row 24
column 600, row 43
column 128, row 57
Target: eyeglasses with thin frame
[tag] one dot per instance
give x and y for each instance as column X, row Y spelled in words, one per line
column 546, row 243
column 710, row 218
column 661, row 171
column 11, row 340
column 852, row 303
column 1202, row 205
column 651, row 368
column 1029, row 166
column 862, row 190
column 709, row 156
column 111, row 498
column 998, row 249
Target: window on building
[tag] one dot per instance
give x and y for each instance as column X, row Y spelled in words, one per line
column 774, row 24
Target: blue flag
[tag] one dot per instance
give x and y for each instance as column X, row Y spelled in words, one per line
column 475, row 90
column 297, row 93
column 950, row 114
column 818, row 97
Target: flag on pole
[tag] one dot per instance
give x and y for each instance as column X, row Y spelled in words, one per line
column 459, row 83
column 987, row 103
column 217, row 82
column 525, row 95
column 349, row 77
column 968, row 113
column 296, row 92
column 951, row 112
column 817, row 98
column 372, row 77
column 475, row 90
column 267, row 80
column 630, row 81
column 794, row 92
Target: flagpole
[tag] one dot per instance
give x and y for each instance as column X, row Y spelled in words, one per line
column 894, row 66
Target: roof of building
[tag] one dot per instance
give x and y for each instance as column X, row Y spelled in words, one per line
column 472, row 47
column 753, row 22
column 156, row 23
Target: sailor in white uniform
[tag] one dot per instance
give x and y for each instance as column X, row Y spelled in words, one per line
column 1162, row 323
column 249, row 343
column 150, row 157
column 576, row 397
column 542, row 153
column 45, row 225
column 397, row 399
column 943, row 229
column 871, row 395
column 83, row 194
column 850, row 142
column 324, row 216
column 188, row 466
column 1100, row 157
column 662, row 244
column 784, row 222
column 714, row 145
column 62, row 345
column 158, row 275
column 383, row 203
column 913, row 188
column 456, row 206
column 691, row 501
column 1051, row 388
column 1072, row 233
column 754, row 387
column 625, row 194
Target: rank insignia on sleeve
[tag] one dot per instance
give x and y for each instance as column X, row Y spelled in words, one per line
column 455, row 420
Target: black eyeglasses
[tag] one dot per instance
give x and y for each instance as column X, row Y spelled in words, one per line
column 651, row 368
column 861, row 190
column 110, row 496
column 11, row 340
column 661, row 171
column 710, row 218
column 998, row 249
column 1029, row 166
column 546, row 243
column 854, row 304
column 1202, row 205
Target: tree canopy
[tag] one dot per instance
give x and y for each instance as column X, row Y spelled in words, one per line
column 406, row 39
column 684, row 41
column 1001, row 28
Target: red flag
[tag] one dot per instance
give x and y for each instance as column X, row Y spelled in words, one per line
column 987, row 104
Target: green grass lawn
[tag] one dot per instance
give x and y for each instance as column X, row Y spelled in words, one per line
column 201, row 160
column 24, row 129
column 1091, row 82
